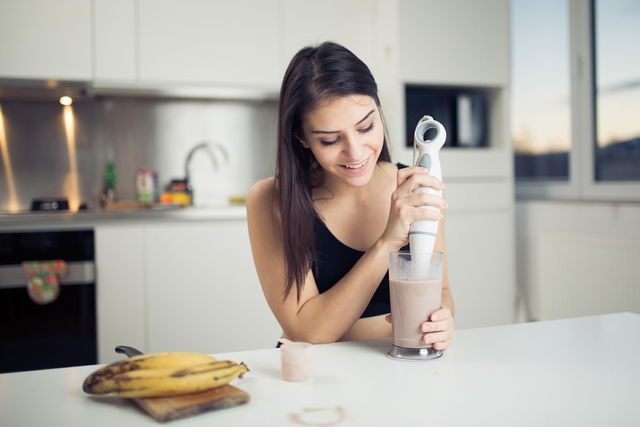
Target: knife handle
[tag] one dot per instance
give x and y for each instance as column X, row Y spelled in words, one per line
column 128, row 351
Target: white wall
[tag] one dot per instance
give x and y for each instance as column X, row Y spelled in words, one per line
column 578, row 258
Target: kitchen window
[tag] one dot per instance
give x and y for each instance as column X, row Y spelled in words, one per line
column 576, row 99
column 617, row 83
column 541, row 111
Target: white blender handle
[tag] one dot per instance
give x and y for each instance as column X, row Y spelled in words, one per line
column 422, row 235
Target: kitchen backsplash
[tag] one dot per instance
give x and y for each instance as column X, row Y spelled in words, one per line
column 156, row 133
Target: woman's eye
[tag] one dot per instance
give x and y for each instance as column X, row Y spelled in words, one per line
column 331, row 142
column 367, row 129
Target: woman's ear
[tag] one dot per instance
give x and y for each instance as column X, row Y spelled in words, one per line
column 304, row 144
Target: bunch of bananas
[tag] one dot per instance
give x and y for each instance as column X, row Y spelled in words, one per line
column 162, row 375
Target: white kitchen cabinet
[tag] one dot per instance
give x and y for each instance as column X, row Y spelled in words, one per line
column 115, row 42
column 243, row 43
column 350, row 23
column 120, row 291
column 480, row 238
column 480, row 252
column 202, row 290
column 220, row 43
column 457, row 42
column 46, row 39
column 232, row 43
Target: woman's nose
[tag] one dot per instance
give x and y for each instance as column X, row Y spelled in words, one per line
column 353, row 147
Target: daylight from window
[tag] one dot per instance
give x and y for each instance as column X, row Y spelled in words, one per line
column 541, row 113
column 617, row 70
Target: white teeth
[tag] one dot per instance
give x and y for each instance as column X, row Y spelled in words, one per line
column 359, row 165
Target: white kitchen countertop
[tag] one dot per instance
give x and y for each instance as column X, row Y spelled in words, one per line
column 572, row 372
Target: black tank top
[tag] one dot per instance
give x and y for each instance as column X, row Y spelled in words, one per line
column 334, row 259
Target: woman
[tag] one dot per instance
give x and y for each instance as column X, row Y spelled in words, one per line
column 321, row 230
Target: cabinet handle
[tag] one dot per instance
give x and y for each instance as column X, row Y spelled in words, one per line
column 78, row 273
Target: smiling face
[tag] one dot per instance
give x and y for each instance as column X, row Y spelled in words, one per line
column 346, row 137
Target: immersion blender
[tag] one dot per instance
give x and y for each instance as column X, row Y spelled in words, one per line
column 422, row 234
column 418, row 265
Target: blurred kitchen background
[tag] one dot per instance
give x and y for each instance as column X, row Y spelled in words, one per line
column 136, row 132
column 542, row 164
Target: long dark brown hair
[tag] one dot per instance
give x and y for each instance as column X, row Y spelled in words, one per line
column 314, row 74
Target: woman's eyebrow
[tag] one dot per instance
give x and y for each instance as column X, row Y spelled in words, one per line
column 365, row 117
column 336, row 131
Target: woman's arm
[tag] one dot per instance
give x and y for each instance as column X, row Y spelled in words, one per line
column 316, row 317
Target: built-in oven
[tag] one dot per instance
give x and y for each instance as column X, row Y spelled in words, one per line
column 58, row 333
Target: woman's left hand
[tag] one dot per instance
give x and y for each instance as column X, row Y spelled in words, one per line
column 439, row 329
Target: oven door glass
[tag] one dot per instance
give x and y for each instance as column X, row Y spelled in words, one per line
column 59, row 334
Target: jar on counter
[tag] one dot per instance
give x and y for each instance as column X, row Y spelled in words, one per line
column 146, row 185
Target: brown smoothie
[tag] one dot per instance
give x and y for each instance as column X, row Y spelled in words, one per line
column 412, row 302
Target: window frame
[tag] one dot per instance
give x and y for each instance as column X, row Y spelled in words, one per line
column 581, row 183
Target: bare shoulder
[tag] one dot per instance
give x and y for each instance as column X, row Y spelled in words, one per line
column 262, row 194
column 264, row 187
column 263, row 213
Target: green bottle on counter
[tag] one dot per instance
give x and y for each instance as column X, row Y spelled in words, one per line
column 108, row 194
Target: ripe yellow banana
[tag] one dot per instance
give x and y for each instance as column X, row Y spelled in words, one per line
column 162, row 382
column 166, row 360
column 172, row 382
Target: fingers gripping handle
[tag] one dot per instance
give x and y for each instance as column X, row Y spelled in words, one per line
column 422, row 235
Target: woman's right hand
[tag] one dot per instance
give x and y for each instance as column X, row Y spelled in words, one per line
column 405, row 205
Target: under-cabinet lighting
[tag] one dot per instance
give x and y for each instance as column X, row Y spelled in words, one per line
column 66, row 100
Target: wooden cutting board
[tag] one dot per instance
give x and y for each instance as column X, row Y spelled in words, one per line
column 170, row 408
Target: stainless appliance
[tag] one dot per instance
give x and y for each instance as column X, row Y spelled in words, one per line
column 463, row 111
column 63, row 332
